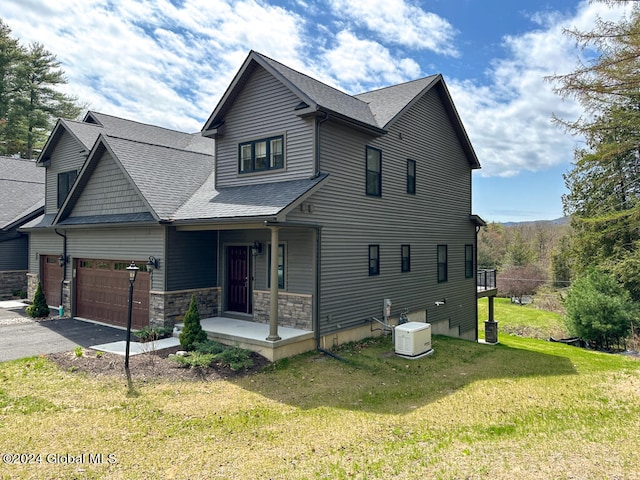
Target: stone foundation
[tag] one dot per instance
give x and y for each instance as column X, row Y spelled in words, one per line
column 32, row 285
column 168, row 308
column 11, row 281
column 294, row 309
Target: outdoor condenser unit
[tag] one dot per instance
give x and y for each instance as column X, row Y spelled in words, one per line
column 413, row 339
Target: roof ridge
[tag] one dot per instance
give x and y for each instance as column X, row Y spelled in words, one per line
column 142, row 142
column 308, row 76
column 137, row 122
column 397, row 85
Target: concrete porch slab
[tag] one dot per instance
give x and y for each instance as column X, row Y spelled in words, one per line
column 252, row 336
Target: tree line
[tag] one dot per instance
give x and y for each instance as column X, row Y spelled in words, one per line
column 30, row 99
column 599, row 253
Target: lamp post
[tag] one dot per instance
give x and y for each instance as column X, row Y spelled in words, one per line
column 133, row 271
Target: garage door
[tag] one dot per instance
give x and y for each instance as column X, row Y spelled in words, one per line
column 51, row 279
column 102, row 288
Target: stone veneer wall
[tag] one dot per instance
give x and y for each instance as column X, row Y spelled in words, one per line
column 294, row 309
column 13, row 280
column 168, row 308
column 32, row 285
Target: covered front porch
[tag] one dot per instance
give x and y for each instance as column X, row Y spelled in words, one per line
column 252, row 336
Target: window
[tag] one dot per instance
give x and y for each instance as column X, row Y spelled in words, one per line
column 374, row 260
column 442, row 263
column 280, row 267
column 468, row 261
column 261, row 155
column 65, row 182
column 374, row 172
column 411, row 177
column 405, row 252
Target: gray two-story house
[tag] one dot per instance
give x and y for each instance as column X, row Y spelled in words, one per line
column 298, row 207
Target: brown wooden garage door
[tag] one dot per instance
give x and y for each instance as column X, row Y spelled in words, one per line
column 51, row 279
column 102, row 288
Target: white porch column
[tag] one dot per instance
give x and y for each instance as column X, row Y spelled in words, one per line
column 273, row 317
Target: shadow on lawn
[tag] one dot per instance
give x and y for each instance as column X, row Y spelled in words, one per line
column 372, row 378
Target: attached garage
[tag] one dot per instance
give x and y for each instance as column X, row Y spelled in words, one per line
column 102, row 292
column 51, row 279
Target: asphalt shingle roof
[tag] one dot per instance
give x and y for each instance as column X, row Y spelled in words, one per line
column 21, row 190
column 263, row 200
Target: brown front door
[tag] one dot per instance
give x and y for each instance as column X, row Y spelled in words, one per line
column 51, row 279
column 238, row 282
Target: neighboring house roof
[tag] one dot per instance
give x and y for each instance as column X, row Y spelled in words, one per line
column 376, row 110
column 165, row 177
column 21, row 192
column 261, row 200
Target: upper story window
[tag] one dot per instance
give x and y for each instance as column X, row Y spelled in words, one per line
column 411, row 177
column 374, row 172
column 261, row 155
column 65, row 182
column 468, row 261
column 442, row 263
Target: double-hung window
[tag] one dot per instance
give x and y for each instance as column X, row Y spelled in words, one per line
column 374, row 260
column 411, row 177
column 374, row 172
column 442, row 263
column 65, row 182
column 261, row 155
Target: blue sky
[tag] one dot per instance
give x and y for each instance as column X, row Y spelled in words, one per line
column 167, row 62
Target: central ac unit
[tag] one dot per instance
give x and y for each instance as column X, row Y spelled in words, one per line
column 413, row 339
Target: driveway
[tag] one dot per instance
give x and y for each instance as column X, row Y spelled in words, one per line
column 22, row 337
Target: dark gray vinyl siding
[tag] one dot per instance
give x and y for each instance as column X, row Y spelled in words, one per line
column 437, row 214
column 265, row 108
column 68, row 155
column 192, row 259
column 14, row 253
column 120, row 243
column 42, row 243
column 108, row 191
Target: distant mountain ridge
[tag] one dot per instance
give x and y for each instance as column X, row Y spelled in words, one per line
column 557, row 221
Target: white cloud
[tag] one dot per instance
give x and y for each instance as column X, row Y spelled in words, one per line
column 399, row 22
column 509, row 121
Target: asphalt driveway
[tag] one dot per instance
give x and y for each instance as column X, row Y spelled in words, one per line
column 22, row 337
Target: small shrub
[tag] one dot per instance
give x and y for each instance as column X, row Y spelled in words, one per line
column 78, row 351
column 209, row 346
column 39, row 308
column 192, row 332
column 99, row 354
column 19, row 294
column 194, row 360
column 235, row 358
column 149, row 334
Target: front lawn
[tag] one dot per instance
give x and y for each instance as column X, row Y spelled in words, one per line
column 525, row 408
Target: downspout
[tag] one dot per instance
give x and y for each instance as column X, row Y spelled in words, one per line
column 64, row 264
column 317, row 159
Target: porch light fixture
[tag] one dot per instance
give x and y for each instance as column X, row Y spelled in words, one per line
column 132, row 270
column 152, row 264
column 256, row 248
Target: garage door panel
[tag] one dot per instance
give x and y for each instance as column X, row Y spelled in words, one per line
column 103, row 293
column 51, row 279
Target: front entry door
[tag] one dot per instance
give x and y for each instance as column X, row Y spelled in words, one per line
column 238, row 281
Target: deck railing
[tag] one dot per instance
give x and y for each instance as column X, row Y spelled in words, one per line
column 486, row 279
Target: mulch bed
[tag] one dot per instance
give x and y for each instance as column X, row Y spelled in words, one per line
column 148, row 367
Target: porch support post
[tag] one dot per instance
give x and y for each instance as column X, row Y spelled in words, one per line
column 491, row 318
column 273, row 317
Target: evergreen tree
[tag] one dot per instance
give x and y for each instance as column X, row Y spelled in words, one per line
column 39, row 307
column 30, row 100
column 192, row 332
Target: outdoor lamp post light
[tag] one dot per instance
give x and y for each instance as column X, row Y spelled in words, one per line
column 133, row 271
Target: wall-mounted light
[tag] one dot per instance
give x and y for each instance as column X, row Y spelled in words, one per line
column 440, row 303
column 256, row 248
column 152, row 264
column 62, row 260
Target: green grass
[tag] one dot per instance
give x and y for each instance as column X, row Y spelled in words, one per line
column 523, row 320
column 525, row 408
